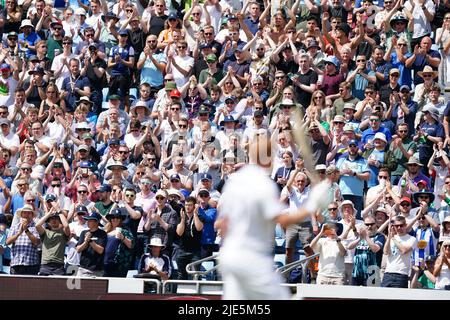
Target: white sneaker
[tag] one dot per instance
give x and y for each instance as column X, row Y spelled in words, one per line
column 319, row 197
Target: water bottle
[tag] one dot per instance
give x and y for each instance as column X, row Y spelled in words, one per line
column 403, row 182
column 57, row 52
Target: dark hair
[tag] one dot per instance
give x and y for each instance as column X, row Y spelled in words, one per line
column 191, row 199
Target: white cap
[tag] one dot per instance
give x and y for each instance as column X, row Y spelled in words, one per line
column 381, row 136
column 80, row 11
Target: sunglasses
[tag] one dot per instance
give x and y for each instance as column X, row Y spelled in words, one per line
column 30, row 200
column 56, row 185
column 368, row 92
column 360, row 60
column 447, row 182
column 382, row 177
column 369, row 224
column 405, row 204
column 67, row 43
column 159, row 198
column 124, row 152
column 82, row 191
column 181, row 47
column 26, row 169
column 374, row 120
column 399, row 225
column 174, row 180
column 395, row 75
column 129, row 195
column 332, row 209
column 203, row 195
column 175, row 109
column 89, row 35
column 401, row 44
column 208, row 33
column 280, row 77
column 182, row 126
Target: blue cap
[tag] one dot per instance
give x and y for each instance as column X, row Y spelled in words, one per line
column 405, row 87
column 228, row 119
column 5, row 66
column 333, row 60
column 353, row 141
column 205, row 176
column 85, row 164
column 114, row 142
column 175, row 176
column 172, row 15
column 49, row 197
column 93, row 216
column 81, row 209
column 123, row 32
column 230, row 98
column 116, row 213
column 104, row 188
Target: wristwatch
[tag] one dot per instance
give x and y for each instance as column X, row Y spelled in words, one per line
column 338, row 240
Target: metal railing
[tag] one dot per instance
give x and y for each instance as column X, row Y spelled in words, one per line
column 301, row 262
column 190, row 268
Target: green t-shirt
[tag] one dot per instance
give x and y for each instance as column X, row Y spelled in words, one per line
column 216, row 77
column 53, row 44
column 53, row 246
column 425, row 282
column 104, row 210
column 408, row 144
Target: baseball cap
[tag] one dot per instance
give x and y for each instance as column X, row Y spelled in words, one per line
column 4, row 121
column 114, row 142
column 81, row 209
column 104, row 188
column 203, row 110
column 332, row 60
column 123, row 32
column 405, row 199
column 203, row 191
column 172, row 15
column 175, row 176
column 405, row 87
column 175, row 93
column 205, row 176
column 211, row 57
column 353, row 141
column 114, row 97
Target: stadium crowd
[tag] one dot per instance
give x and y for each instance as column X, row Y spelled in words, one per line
column 121, row 122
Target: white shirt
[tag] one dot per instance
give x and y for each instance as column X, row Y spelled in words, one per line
column 398, row 262
column 331, row 262
column 56, row 65
column 250, row 203
column 185, row 63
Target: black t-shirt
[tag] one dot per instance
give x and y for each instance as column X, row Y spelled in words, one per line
column 319, row 151
column 132, row 224
column 96, row 83
column 137, row 41
column 34, row 97
column 303, row 97
column 90, row 259
column 157, row 24
column 286, row 66
column 385, row 92
column 191, row 239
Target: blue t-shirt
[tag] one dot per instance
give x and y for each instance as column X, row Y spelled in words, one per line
column 125, row 53
column 369, row 133
column 31, row 39
column 209, row 215
column 379, row 156
column 351, row 185
column 150, row 73
column 360, row 84
column 405, row 73
column 426, row 149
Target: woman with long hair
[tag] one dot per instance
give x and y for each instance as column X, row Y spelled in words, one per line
column 318, row 100
column 52, row 99
column 13, row 16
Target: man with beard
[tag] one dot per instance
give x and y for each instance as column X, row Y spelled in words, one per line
column 368, row 252
column 379, row 66
column 402, row 147
column 74, row 86
column 354, row 171
column 104, row 203
column 410, row 178
column 152, row 63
